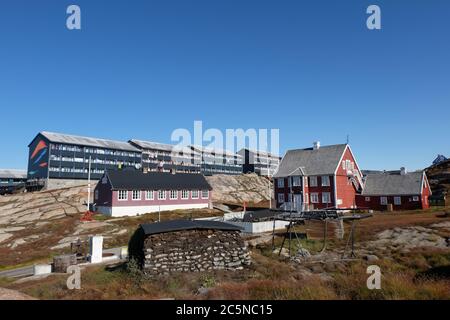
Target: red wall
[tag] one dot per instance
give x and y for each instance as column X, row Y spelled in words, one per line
column 375, row 203
column 297, row 190
column 345, row 189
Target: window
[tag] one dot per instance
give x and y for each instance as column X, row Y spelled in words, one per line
column 123, row 195
column 383, row 200
column 397, row 201
column 162, row 195
column 313, row 181
column 280, row 183
column 149, row 195
column 194, row 194
column 296, row 182
column 184, row 194
column 367, row 199
column 314, row 197
column 416, row 198
column 326, row 197
column 290, row 197
column 306, row 198
column 205, row 194
column 289, row 182
column 136, row 195
column 325, row 181
column 280, row 198
column 173, row 194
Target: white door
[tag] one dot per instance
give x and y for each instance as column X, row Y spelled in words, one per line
column 298, row 202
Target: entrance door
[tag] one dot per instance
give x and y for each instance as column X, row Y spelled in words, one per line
column 298, row 202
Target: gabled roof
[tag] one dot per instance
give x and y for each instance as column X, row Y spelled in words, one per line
column 149, row 145
column 393, row 184
column 310, row 162
column 138, row 180
column 13, row 174
column 87, row 141
column 180, row 225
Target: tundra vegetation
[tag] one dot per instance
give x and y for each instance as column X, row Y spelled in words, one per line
column 391, row 241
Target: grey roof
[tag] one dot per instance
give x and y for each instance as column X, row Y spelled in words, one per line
column 13, row 174
column 216, row 151
column 259, row 152
column 393, row 184
column 149, row 145
column 310, row 162
column 179, row 225
column 138, row 180
column 87, row 141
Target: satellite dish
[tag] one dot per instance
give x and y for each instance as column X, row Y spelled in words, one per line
column 138, row 166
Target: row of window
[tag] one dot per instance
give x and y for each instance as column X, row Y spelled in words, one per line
column 397, row 200
column 76, row 170
column 326, row 197
column 161, row 194
column 64, row 147
column 296, row 181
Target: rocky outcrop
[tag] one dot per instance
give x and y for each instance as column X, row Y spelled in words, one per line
column 194, row 251
column 236, row 189
column 29, row 208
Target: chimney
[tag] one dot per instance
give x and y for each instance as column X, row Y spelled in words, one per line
column 403, row 171
column 316, row 145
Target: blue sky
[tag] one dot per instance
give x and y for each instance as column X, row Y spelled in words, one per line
column 140, row 69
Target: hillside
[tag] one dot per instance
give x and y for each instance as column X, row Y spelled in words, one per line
column 35, row 225
column 439, row 177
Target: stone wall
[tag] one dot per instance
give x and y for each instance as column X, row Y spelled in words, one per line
column 194, row 251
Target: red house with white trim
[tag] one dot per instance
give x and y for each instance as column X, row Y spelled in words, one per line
column 400, row 189
column 329, row 177
column 318, row 178
column 133, row 192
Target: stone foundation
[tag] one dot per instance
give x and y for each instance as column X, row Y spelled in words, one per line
column 194, row 251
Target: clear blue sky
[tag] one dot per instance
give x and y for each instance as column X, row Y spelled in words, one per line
column 140, row 69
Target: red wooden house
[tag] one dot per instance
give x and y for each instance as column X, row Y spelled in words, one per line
column 398, row 190
column 317, row 178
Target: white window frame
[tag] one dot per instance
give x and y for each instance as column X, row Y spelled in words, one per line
column 133, row 192
column 296, row 181
column 203, row 194
column 281, row 198
column 383, row 201
column 315, row 197
column 397, row 201
column 367, row 199
column 194, row 195
column 327, row 179
column 313, row 181
column 149, row 195
column 173, row 195
column 120, row 195
column 280, row 183
column 184, row 194
column 415, row 198
column 326, row 200
column 162, row 195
